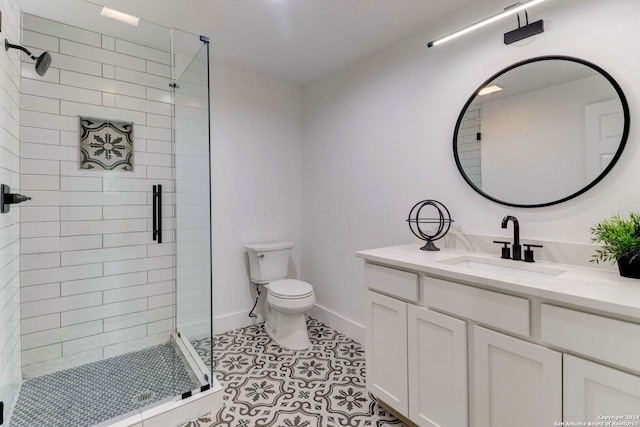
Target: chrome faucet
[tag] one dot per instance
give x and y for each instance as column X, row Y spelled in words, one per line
column 517, row 249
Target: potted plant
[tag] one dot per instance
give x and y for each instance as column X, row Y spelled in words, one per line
column 620, row 239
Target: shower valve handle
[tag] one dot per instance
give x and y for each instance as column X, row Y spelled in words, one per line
column 8, row 198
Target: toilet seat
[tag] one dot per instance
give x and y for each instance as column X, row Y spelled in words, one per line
column 290, row 289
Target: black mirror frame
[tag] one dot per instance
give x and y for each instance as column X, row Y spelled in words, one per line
column 614, row 160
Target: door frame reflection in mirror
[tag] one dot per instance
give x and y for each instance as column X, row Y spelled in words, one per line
column 589, row 185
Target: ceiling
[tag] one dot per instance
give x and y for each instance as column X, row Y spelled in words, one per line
column 297, row 41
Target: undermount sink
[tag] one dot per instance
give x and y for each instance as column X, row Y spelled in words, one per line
column 515, row 269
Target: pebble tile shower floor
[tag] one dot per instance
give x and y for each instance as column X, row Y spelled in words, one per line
column 96, row 392
column 269, row 386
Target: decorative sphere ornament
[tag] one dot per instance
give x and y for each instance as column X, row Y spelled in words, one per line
column 429, row 220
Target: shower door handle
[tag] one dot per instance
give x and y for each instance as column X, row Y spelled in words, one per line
column 157, row 213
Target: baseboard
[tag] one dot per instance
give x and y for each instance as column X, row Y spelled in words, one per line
column 241, row 319
column 229, row 322
column 339, row 323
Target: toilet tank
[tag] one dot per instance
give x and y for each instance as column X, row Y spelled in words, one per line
column 269, row 261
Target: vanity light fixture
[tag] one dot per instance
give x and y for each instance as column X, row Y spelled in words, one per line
column 120, row 16
column 521, row 32
column 515, row 8
column 489, row 89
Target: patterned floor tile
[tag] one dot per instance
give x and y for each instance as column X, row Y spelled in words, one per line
column 270, row 386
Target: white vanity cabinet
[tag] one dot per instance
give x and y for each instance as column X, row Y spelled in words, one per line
column 592, row 391
column 386, row 350
column 515, row 382
column 416, row 358
column 437, row 354
column 445, row 351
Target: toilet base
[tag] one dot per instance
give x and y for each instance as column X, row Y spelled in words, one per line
column 287, row 330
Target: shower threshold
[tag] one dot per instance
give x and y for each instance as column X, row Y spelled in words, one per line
column 119, row 391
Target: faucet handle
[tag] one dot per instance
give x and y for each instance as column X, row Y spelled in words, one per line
column 506, row 252
column 528, row 252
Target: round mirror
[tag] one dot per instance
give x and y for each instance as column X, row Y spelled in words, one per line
column 541, row 131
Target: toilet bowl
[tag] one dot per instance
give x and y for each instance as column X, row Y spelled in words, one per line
column 287, row 299
column 287, row 302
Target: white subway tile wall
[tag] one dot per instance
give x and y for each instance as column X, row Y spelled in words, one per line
column 10, row 101
column 94, row 283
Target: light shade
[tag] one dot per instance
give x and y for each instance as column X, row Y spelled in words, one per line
column 489, row 89
column 507, row 12
column 120, row 16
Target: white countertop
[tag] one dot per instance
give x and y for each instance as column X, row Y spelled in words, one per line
column 587, row 287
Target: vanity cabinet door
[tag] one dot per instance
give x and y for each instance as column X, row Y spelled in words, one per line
column 386, row 350
column 516, row 383
column 592, row 390
column 437, row 369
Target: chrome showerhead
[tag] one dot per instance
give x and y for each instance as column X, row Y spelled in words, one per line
column 42, row 62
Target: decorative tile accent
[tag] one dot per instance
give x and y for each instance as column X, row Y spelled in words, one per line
column 269, row 386
column 96, row 392
column 105, row 144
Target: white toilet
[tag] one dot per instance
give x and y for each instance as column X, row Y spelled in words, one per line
column 287, row 299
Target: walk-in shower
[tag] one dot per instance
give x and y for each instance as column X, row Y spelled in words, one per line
column 111, row 274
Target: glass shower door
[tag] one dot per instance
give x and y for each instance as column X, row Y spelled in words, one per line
column 193, row 211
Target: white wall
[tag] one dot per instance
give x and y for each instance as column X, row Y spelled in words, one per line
column 10, row 374
column 256, row 175
column 378, row 138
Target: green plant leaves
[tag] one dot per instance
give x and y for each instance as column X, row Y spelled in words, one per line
column 619, row 237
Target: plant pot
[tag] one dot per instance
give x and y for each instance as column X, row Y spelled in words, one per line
column 629, row 268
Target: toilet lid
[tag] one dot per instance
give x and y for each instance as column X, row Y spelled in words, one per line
column 290, row 288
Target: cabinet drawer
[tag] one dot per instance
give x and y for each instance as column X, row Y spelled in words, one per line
column 397, row 283
column 609, row 340
column 501, row 311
